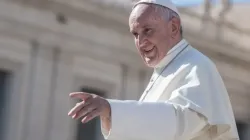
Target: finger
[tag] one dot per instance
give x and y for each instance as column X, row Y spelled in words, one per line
column 85, row 110
column 91, row 115
column 81, row 95
column 77, row 107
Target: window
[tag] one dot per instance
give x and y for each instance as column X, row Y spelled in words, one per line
column 4, row 77
column 90, row 130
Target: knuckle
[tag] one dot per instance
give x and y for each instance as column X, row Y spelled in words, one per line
column 90, row 115
column 95, row 96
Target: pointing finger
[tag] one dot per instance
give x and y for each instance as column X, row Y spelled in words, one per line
column 87, row 109
column 77, row 107
column 81, row 95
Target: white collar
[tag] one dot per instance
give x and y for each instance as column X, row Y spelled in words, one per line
column 171, row 54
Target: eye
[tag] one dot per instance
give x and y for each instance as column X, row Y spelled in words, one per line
column 135, row 34
column 148, row 31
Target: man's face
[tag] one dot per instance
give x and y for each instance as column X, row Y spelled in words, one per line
column 152, row 33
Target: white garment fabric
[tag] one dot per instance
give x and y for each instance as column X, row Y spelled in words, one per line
column 184, row 100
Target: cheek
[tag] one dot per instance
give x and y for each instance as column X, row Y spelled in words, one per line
column 136, row 44
column 138, row 47
column 156, row 38
column 162, row 47
column 161, row 43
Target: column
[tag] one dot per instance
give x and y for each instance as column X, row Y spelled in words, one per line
column 40, row 90
column 61, row 126
column 24, row 94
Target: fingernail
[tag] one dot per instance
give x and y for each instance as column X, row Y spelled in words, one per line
column 70, row 113
column 84, row 120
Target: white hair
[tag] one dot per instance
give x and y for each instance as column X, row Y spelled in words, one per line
column 167, row 14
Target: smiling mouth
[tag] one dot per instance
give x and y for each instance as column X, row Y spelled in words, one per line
column 147, row 51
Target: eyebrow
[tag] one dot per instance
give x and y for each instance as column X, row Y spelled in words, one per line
column 144, row 26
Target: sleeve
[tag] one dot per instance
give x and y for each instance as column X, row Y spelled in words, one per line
column 151, row 121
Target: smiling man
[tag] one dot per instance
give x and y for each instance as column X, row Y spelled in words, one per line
column 185, row 98
column 153, row 35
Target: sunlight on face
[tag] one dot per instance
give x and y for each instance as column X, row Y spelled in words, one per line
column 152, row 33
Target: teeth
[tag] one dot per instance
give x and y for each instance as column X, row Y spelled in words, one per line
column 149, row 49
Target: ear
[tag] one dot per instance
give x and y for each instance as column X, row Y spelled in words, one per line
column 175, row 24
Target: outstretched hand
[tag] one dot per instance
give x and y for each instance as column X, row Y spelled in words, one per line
column 90, row 107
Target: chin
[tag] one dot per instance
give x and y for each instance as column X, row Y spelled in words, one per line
column 150, row 63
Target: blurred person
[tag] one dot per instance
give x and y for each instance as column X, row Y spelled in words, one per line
column 185, row 99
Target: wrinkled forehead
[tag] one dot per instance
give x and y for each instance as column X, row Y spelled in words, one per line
column 143, row 13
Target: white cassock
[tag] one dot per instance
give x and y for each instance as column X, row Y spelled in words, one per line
column 185, row 100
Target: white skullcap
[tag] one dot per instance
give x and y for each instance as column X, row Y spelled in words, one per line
column 164, row 3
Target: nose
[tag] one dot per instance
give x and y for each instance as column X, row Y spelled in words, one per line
column 142, row 41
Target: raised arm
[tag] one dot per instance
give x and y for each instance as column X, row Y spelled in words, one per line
column 151, row 121
column 198, row 100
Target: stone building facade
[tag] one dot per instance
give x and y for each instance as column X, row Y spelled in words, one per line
column 49, row 48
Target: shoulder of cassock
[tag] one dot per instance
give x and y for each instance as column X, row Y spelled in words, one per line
column 199, row 87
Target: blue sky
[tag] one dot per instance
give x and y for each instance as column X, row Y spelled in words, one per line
column 185, row 3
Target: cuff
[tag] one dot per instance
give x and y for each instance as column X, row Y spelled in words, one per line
column 109, row 134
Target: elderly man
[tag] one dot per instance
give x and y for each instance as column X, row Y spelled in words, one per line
column 185, row 98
